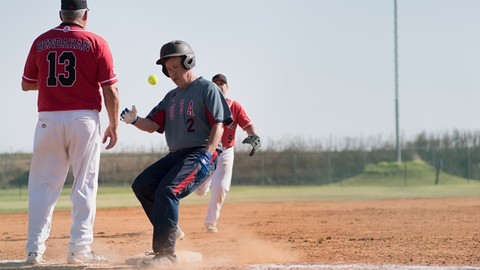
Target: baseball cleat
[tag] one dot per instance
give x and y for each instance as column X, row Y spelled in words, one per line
column 211, row 228
column 161, row 259
column 85, row 257
column 35, row 258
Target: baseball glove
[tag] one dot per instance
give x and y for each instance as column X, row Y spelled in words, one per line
column 254, row 141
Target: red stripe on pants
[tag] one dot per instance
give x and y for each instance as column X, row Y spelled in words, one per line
column 191, row 177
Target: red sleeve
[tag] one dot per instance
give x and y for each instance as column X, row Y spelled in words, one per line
column 106, row 75
column 159, row 118
column 210, row 117
column 240, row 115
column 30, row 72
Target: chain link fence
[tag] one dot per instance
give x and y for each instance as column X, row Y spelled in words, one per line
column 296, row 163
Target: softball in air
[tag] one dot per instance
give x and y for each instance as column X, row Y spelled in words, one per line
column 152, row 79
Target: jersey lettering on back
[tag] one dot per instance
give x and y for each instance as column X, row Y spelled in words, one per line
column 69, row 64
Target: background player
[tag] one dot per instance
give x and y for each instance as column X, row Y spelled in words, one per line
column 68, row 65
column 221, row 178
column 192, row 116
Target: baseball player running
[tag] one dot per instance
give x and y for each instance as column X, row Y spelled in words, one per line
column 68, row 65
column 221, row 178
column 192, row 117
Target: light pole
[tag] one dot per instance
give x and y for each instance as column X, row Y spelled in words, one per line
column 397, row 133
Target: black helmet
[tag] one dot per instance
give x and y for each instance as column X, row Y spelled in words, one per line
column 176, row 48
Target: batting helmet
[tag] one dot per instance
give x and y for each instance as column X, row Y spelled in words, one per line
column 176, row 48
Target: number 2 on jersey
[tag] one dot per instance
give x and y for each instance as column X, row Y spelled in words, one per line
column 65, row 77
column 191, row 123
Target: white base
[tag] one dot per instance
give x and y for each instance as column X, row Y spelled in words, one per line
column 183, row 256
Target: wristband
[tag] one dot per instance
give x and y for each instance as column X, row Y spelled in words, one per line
column 134, row 121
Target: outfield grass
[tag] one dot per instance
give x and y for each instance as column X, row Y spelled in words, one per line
column 410, row 173
column 15, row 200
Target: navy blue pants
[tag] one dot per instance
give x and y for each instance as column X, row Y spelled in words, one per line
column 160, row 187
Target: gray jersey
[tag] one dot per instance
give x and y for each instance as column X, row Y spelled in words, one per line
column 187, row 115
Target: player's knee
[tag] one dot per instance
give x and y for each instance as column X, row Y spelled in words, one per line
column 137, row 186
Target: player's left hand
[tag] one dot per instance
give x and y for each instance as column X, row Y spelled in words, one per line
column 203, row 165
column 254, row 141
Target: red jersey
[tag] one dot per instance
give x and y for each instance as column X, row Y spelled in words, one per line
column 240, row 118
column 69, row 64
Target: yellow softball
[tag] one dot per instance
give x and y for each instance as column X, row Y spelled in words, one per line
column 152, row 79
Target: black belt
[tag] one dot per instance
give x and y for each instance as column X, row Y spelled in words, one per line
column 187, row 149
column 194, row 149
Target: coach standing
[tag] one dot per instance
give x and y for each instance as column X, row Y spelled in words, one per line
column 68, row 65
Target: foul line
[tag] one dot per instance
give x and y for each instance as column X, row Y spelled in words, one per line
column 358, row 266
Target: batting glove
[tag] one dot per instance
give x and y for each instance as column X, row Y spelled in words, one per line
column 203, row 165
column 129, row 116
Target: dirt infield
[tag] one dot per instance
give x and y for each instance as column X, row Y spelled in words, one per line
column 397, row 232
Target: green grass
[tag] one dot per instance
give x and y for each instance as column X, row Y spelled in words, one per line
column 379, row 181
column 412, row 173
column 12, row 200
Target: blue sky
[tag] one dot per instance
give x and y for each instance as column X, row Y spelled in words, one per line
column 310, row 69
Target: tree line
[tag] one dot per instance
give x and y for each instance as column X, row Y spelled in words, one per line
column 294, row 161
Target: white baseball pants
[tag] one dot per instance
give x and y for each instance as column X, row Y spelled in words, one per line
column 219, row 182
column 61, row 139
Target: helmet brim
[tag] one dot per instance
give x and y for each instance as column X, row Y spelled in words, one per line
column 161, row 61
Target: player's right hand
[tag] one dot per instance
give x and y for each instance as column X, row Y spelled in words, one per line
column 129, row 116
